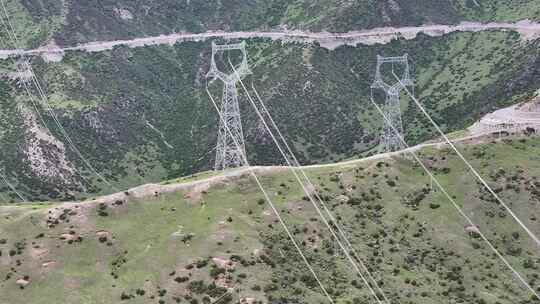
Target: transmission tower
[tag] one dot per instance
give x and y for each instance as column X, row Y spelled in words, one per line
column 229, row 154
column 389, row 138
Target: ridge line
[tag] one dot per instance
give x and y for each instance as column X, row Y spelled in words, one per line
column 528, row 29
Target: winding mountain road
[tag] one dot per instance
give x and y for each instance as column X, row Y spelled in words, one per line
column 527, row 29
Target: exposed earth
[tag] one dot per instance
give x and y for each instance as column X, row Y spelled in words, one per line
column 527, row 29
column 524, row 117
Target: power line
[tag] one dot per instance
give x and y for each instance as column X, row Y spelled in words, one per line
column 65, row 134
column 455, row 204
column 308, row 194
column 319, row 198
column 31, row 98
column 514, row 216
column 46, row 104
column 226, row 293
column 12, row 187
column 267, row 197
column 38, row 112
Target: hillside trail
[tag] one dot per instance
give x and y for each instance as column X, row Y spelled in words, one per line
column 193, row 189
column 528, row 30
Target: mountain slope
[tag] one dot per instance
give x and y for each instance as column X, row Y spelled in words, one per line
column 142, row 115
column 71, row 22
column 176, row 247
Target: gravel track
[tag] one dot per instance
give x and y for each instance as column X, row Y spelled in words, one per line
column 528, row 30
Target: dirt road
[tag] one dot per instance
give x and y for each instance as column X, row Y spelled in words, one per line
column 196, row 187
column 528, row 30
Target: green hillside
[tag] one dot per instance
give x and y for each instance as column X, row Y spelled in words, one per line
column 185, row 247
column 141, row 115
column 72, row 22
column 121, row 204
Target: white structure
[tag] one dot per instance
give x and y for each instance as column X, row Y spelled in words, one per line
column 392, row 109
column 228, row 155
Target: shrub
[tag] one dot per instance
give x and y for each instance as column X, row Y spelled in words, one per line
column 201, row 263
column 214, row 291
column 215, row 271
column 181, row 279
column 197, row 287
column 125, row 296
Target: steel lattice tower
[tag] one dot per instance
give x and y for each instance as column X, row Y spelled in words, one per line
column 228, row 155
column 392, row 110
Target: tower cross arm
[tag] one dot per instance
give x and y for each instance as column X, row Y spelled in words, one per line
column 241, row 71
column 230, row 149
column 228, row 47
